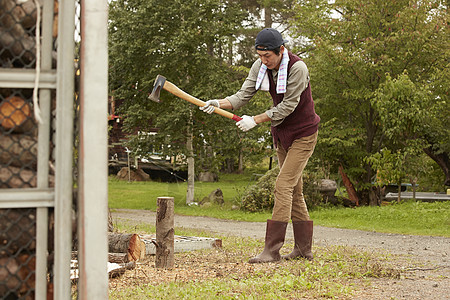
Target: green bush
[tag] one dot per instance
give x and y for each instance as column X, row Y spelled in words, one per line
column 311, row 192
column 260, row 197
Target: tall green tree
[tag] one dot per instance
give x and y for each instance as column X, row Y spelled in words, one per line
column 351, row 47
column 262, row 14
column 185, row 42
column 408, row 113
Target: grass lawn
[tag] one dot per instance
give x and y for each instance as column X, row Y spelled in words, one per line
column 143, row 195
column 336, row 273
column 409, row 217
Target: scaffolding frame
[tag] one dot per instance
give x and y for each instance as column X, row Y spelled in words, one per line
column 92, row 178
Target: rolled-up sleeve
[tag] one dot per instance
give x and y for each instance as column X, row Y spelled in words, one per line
column 247, row 90
column 297, row 82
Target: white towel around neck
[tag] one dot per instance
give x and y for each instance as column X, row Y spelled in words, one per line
column 262, row 82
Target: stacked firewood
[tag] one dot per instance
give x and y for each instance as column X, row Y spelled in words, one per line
column 18, row 141
column 18, row 147
column 125, row 249
column 17, row 27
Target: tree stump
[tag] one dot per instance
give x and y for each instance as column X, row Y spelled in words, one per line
column 165, row 258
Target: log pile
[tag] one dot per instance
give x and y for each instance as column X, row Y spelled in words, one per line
column 22, row 266
column 17, row 29
column 17, row 248
column 18, row 148
column 18, row 142
column 125, row 249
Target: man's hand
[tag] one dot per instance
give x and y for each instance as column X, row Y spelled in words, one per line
column 246, row 123
column 210, row 106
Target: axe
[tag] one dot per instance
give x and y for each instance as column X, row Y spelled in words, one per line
column 162, row 83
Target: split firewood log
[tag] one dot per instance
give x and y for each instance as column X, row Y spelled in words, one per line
column 25, row 13
column 13, row 36
column 24, row 47
column 16, row 36
column 17, row 274
column 126, row 243
column 14, row 177
column 15, row 113
column 18, row 150
column 17, row 230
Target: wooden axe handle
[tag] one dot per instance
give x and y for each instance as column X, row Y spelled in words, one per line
column 173, row 89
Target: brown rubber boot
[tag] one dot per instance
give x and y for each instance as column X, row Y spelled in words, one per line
column 303, row 232
column 275, row 233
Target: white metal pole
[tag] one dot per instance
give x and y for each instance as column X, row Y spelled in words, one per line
column 93, row 160
column 43, row 155
column 64, row 149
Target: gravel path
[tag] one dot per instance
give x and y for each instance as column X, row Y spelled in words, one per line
column 426, row 274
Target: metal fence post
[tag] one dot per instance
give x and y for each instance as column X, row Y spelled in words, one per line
column 93, row 160
column 64, row 150
column 44, row 154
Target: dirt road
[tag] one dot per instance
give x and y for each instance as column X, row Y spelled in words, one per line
column 426, row 274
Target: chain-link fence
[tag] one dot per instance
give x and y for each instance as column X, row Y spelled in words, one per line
column 17, row 253
column 18, row 141
column 17, row 34
column 28, row 31
column 40, row 42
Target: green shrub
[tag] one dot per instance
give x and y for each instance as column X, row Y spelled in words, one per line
column 260, row 197
column 311, row 192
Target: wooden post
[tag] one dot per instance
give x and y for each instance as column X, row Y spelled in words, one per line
column 165, row 233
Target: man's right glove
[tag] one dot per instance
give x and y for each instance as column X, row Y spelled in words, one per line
column 210, row 106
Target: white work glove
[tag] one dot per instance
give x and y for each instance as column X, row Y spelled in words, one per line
column 246, row 123
column 210, row 106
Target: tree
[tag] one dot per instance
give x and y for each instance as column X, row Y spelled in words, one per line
column 262, row 14
column 407, row 112
column 179, row 40
column 351, row 47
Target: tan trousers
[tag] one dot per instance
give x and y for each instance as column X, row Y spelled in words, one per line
column 289, row 200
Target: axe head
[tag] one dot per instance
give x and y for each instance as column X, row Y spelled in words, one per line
column 157, row 86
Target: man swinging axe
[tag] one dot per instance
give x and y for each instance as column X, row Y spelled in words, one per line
column 294, row 127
